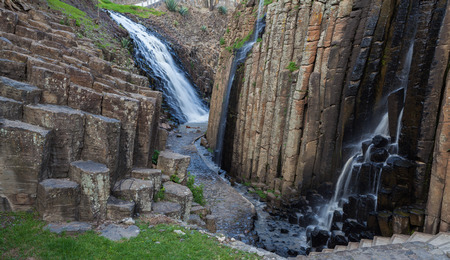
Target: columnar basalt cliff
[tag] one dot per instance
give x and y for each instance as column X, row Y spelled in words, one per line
column 323, row 76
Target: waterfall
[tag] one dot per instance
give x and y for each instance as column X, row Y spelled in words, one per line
column 157, row 60
column 359, row 157
column 239, row 57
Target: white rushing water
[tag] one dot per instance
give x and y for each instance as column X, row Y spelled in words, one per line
column 178, row 92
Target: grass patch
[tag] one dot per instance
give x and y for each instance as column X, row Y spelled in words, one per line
column 73, row 13
column 222, row 41
column 175, row 178
column 22, row 236
column 260, row 193
column 267, row 2
column 239, row 43
column 292, row 66
column 142, row 12
column 172, row 5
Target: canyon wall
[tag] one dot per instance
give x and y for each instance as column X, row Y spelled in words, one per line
column 318, row 82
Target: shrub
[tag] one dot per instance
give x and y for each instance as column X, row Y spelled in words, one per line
column 175, row 23
column 174, row 178
column 171, row 5
column 222, row 9
column 204, row 28
column 197, row 191
column 125, row 42
column 183, row 10
column 292, row 66
column 259, row 40
column 222, row 41
column 155, row 157
column 161, row 194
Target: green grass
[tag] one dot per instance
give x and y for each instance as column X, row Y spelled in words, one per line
column 73, row 13
column 267, row 2
column 222, row 41
column 22, row 236
column 142, row 12
column 197, row 191
column 239, row 43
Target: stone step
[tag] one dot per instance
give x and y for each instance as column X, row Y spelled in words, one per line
column 172, row 163
column 326, row 250
column 352, row 245
column 180, row 194
column 340, row 248
column 58, row 200
column 380, row 241
column 117, row 209
column 23, row 159
column 398, row 238
column 198, row 210
column 10, row 109
column 365, row 243
column 68, row 134
column 139, row 191
column 93, row 179
column 19, row 91
column 170, row 209
column 419, row 237
column 446, row 248
column 13, row 69
column 440, row 239
column 153, row 175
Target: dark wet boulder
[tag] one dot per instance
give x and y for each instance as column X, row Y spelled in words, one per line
column 326, row 190
column 353, row 226
column 319, row 237
column 380, row 141
column 379, row 155
column 337, row 238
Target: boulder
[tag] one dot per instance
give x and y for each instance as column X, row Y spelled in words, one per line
column 94, row 185
column 117, row 209
column 153, row 175
column 167, row 208
column 19, row 91
column 171, row 163
column 58, row 200
column 337, row 238
column 139, row 191
column 319, row 237
column 179, row 194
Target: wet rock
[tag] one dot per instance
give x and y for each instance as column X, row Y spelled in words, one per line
column 119, row 209
column 400, row 222
column 326, row 190
column 352, row 226
column 338, row 216
column 351, row 208
column 380, row 141
column 372, row 223
column 365, row 146
column 395, row 106
column 94, row 186
column 307, row 219
column 337, row 238
column 315, row 199
column 379, row 155
column 319, row 237
column 337, row 226
column 115, row 232
column 417, row 217
column 385, row 223
column 58, row 200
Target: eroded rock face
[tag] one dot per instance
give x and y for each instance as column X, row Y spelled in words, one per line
column 289, row 128
column 58, row 200
column 171, row 163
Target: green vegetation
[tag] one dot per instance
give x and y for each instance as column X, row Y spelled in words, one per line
column 175, row 23
column 260, row 193
column 125, row 43
column 172, row 5
column 267, row 2
column 204, row 28
column 222, row 9
column 161, row 194
column 155, row 157
column 228, row 30
column 142, row 12
column 174, row 178
column 22, row 236
column 222, row 41
column 292, row 66
column 259, row 40
column 239, row 43
column 73, row 13
column 183, row 10
column 238, row 13
column 197, row 191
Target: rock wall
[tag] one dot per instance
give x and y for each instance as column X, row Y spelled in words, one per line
column 319, row 80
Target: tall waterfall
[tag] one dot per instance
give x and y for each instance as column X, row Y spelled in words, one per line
column 157, row 60
column 239, row 58
column 351, row 170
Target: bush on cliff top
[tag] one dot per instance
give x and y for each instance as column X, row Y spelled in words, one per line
column 22, row 236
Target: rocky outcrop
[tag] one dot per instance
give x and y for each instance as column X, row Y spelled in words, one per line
column 318, row 82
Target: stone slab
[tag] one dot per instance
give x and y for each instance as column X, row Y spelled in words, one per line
column 69, row 228
column 58, row 200
column 19, row 91
column 179, row 194
column 115, row 232
column 170, row 209
column 10, row 109
column 171, row 163
column 55, row 85
column 153, row 175
column 85, row 99
column 139, row 191
column 119, row 209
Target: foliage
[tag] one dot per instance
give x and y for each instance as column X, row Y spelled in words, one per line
column 204, row 28
column 175, row 23
column 222, row 9
column 228, row 30
column 197, row 191
column 161, row 194
column 259, row 40
column 238, row 13
column 125, row 43
column 73, row 13
column 172, row 5
column 22, row 236
column 267, row 2
column 155, row 157
column 175, row 178
column 260, row 193
column 142, row 12
column 239, row 43
column 222, row 41
column 183, row 10
column 292, row 66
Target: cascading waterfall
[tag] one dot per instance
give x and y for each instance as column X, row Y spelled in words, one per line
column 352, row 168
column 239, row 58
column 156, row 59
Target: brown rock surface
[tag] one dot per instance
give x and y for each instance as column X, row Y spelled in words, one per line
column 58, row 200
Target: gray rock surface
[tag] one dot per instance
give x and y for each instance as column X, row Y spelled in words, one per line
column 69, row 228
column 170, row 209
column 119, row 209
column 115, row 232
